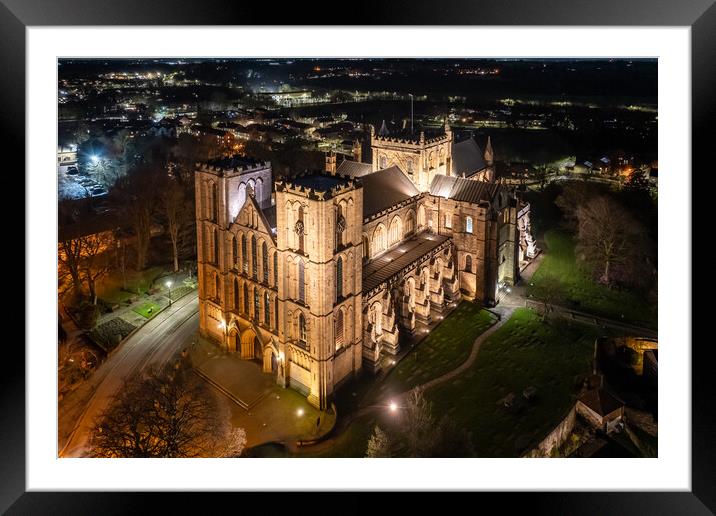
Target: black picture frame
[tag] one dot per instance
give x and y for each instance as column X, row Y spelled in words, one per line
column 700, row 15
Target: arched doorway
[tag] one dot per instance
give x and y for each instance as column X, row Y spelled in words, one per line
column 233, row 343
column 249, row 342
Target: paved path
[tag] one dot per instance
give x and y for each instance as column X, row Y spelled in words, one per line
column 155, row 343
column 344, row 423
column 470, row 360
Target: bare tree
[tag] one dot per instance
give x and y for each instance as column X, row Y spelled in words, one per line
column 167, row 413
column 175, row 208
column 96, row 261
column 420, row 434
column 135, row 196
column 69, row 254
column 379, row 445
column 608, row 237
column 83, row 261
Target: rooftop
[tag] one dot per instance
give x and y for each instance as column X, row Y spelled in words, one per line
column 467, row 158
column 408, row 135
column 385, row 188
column 319, row 182
column 462, row 189
column 354, row 168
column 601, row 401
column 234, row 162
column 394, row 261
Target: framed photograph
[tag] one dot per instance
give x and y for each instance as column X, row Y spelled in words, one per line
column 416, row 252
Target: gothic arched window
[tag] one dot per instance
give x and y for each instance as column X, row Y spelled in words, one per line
column 338, row 329
column 275, row 269
column 254, row 258
column 468, row 263
column 215, row 238
column 300, row 229
column 246, row 299
column 216, row 286
column 301, row 282
column 236, row 294
column 267, row 309
column 302, row 336
column 468, row 224
column 383, row 162
column 339, row 278
column 257, row 307
column 264, row 262
column 234, row 252
column 214, row 204
column 275, row 312
column 244, row 255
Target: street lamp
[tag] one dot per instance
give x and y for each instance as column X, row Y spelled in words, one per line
column 169, row 286
column 393, row 406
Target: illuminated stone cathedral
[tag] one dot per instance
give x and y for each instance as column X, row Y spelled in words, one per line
column 318, row 276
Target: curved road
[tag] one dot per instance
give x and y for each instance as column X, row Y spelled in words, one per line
column 155, row 343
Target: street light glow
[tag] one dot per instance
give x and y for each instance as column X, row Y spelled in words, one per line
column 299, row 412
column 94, row 158
column 393, row 406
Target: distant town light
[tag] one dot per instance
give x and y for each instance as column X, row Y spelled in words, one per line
column 299, row 412
column 393, row 406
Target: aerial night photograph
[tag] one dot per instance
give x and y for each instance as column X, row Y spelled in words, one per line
column 357, row 258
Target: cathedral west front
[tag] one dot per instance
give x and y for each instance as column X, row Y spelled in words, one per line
column 317, row 276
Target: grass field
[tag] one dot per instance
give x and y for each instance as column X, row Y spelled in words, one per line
column 111, row 289
column 580, row 292
column 445, row 348
column 148, row 309
column 553, row 357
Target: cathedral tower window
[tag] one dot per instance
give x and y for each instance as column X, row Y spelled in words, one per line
column 468, row 263
column 468, row 224
column 254, row 258
column 267, row 309
column 244, row 255
column 257, row 308
column 236, row 294
column 339, row 278
column 302, row 337
column 265, row 262
column 301, row 282
column 246, row 299
column 275, row 269
column 338, row 329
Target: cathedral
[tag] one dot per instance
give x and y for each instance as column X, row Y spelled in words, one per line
column 317, row 276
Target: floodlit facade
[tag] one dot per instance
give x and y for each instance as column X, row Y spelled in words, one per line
column 318, row 280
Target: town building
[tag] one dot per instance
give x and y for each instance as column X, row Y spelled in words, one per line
column 318, row 280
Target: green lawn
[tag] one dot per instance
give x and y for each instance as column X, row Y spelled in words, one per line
column 351, row 443
column 446, row 347
column 580, row 292
column 111, row 289
column 148, row 309
column 552, row 356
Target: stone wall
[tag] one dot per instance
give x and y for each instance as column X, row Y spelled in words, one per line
column 556, row 437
